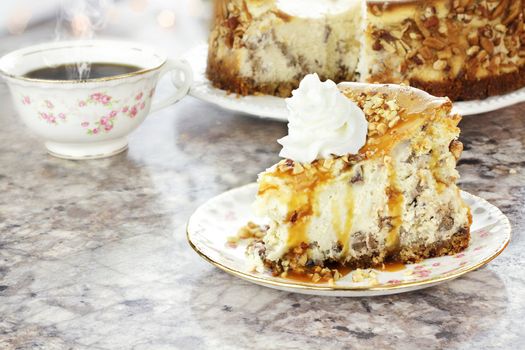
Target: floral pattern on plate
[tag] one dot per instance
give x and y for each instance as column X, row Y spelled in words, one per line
column 221, row 217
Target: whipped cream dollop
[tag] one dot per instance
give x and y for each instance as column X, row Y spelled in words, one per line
column 322, row 122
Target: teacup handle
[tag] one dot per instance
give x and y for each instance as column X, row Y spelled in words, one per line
column 181, row 78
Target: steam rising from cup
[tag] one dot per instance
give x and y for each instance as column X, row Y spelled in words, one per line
column 81, row 19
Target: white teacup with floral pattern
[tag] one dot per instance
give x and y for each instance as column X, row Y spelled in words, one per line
column 90, row 118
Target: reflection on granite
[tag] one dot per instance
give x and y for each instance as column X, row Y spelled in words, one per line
column 93, row 254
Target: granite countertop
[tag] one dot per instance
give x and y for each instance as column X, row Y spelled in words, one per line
column 93, row 254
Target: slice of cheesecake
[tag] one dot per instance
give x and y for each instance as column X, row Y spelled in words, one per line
column 395, row 199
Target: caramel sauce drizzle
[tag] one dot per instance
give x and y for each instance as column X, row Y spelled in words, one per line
column 282, row 15
column 304, row 187
column 266, row 187
column 298, row 231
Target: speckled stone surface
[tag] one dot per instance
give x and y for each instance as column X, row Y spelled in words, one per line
column 93, row 254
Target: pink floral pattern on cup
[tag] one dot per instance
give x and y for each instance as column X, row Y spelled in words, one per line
column 98, row 98
column 132, row 111
column 51, row 118
column 101, row 125
column 26, row 100
column 46, row 112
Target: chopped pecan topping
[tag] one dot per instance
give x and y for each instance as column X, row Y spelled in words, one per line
column 456, row 147
column 435, row 43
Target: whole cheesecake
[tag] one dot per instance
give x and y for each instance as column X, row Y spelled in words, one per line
column 393, row 198
column 463, row 49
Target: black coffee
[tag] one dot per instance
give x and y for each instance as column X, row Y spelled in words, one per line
column 79, row 72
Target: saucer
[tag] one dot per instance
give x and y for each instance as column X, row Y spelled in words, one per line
column 222, row 216
column 272, row 107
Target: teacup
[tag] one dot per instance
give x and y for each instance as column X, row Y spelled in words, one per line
column 80, row 119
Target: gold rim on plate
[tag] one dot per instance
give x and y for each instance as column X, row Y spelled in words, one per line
column 308, row 286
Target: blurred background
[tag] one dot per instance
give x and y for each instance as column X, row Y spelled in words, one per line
column 174, row 25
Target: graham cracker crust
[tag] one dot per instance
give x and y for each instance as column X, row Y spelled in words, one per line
column 229, row 80
column 224, row 75
column 464, row 89
column 296, row 260
column 460, row 88
column 457, row 243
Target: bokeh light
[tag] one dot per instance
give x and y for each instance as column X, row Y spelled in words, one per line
column 138, row 5
column 166, row 19
column 81, row 25
column 17, row 22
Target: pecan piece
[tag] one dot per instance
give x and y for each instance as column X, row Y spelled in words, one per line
column 500, row 9
column 487, row 45
column 440, row 65
column 376, row 46
column 388, row 47
column 421, row 27
column 473, row 38
column 482, row 55
column 376, row 11
column 434, row 43
column 431, row 22
column 456, row 147
column 471, row 51
column 426, row 53
column 514, row 12
column 232, row 22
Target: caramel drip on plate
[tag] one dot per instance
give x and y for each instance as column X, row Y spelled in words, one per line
column 392, row 266
column 395, row 208
column 304, row 277
column 343, row 271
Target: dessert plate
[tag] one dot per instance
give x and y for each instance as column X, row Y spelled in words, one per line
column 272, row 107
column 221, row 217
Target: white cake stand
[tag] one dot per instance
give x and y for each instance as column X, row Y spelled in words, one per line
column 272, row 107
